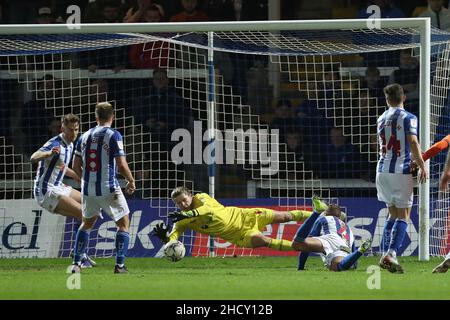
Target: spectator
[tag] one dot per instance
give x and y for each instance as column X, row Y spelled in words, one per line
column 21, row 11
column 364, row 115
column 110, row 12
column 284, row 119
column 112, row 58
column 190, row 13
column 35, row 114
column 190, row 57
column 387, row 10
column 295, row 144
column 45, row 16
column 374, row 83
column 99, row 91
column 138, row 12
column 407, row 75
column 311, row 117
column 440, row 16
column 221, row 10
column 162, row 111
column 341, row 158
column 153, row 54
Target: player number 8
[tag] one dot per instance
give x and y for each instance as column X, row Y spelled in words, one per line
column 92, row 161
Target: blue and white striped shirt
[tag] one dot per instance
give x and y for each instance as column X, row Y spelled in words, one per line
column 393, row 127
column 98, row 148
column 332, row 225
column 51, row 170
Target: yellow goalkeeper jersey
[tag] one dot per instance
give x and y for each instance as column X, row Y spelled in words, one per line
column 213, row 219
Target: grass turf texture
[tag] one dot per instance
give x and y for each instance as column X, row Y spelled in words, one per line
column 274, row 278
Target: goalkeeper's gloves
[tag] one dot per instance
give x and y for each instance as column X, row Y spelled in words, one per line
column 181, row 215
column 161, row 232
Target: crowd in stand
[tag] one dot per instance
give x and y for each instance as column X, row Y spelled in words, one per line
column 161, row 107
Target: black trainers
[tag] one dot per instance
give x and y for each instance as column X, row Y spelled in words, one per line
column 118, row 269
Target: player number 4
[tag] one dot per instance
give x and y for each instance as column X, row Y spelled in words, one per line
column 393, row 145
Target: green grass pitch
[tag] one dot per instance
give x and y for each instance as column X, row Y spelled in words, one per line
column 260, row 278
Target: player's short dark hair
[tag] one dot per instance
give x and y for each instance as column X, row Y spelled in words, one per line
column 394, row 93
column 178, row 191
column 104, row 111
column 333, row 210
column 69, row 118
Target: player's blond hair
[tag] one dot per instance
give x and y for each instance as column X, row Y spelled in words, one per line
column 69, row 118
column 178, row 191
column 104, row 111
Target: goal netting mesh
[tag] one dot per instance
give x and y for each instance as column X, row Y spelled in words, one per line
column 294, row 114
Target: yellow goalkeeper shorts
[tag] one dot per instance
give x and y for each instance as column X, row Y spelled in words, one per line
column 254, row 222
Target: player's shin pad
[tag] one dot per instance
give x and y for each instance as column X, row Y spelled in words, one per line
column 281, row 244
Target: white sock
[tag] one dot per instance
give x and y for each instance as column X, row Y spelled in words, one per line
column 392, row 253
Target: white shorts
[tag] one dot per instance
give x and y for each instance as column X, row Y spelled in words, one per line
column 332, row 245
column 114, row 204
column 50, row 200
column 395, row 189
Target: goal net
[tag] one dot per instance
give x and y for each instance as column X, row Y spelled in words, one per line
column 255, row 118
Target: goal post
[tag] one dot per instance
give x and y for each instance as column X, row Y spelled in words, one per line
column 425, row 132
column 288, row 45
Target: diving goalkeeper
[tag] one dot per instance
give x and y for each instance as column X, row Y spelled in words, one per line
column 240, row 226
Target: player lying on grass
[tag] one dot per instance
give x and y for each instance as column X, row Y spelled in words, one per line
column 240, row 226
column 49, row 190
column 325, row 233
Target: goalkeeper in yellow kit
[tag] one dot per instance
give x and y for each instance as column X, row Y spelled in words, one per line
column 240, row 226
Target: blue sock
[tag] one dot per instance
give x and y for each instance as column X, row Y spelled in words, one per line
column 306, row 227
column 81, row 242
column 349, row 260
column 387, row 232
column 398, row 234
column 122, row 241
column 302, row 257
column 76, row 226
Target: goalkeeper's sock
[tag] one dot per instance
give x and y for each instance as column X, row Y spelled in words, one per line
column 398, row 234
column 387, row 233
column 300, row 215
column 122, row 241
column 81, row 242
column 306, row 227
column 280, row 244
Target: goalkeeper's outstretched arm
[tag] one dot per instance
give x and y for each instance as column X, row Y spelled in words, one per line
column 436, row 148
column 445, row 178
column 162, row 232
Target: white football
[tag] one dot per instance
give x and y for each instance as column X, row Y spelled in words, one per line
column 174, row 250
